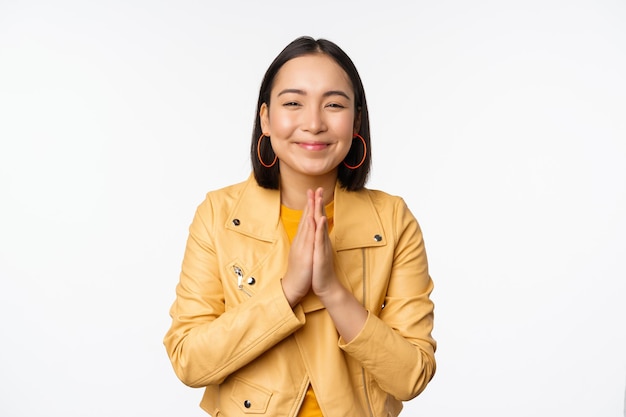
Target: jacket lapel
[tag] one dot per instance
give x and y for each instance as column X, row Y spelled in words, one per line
column 256, row 213
column 357, row 223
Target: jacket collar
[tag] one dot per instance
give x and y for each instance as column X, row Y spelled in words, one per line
column 256, row 213
column 357, row 223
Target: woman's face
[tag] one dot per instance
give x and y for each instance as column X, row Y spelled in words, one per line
column 311, row 119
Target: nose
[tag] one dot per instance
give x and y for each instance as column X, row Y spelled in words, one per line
column 313, row 120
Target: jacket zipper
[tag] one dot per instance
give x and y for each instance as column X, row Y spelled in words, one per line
column 239, row 272
column 367, row 396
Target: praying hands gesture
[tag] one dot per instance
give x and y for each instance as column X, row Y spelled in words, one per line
column 310, row 268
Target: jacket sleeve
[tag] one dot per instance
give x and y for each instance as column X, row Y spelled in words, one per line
column 399, row 341
column 206, row 341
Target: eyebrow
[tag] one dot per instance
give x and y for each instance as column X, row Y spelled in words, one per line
column 302, row 92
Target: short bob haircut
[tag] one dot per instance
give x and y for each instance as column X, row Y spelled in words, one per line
column 350, row 179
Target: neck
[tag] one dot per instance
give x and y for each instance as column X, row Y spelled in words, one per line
column 293, row 189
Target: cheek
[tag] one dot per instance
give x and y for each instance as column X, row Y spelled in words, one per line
column 345, row 126
column 281, row 123
column 345, row 129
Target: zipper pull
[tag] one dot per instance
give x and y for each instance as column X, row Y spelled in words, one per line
column 239, row 274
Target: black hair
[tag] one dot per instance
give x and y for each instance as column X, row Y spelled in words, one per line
column 350, row 179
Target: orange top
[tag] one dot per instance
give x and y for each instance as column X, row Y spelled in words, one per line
column 291, row 219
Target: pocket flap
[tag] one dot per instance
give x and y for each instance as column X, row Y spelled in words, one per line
column 250, row 398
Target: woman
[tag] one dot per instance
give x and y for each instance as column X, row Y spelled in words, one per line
column 302, row 293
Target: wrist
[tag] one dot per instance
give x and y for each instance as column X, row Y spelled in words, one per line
column 334, row 294
column 293, row 297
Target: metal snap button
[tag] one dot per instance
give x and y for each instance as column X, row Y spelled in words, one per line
column 247, row 404
column 378, row 238
column 236, row 222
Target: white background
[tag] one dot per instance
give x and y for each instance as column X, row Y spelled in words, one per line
column 502, row 124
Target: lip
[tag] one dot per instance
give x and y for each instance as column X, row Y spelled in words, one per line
column 313, row 146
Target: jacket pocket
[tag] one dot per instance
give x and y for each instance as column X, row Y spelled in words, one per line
column 250, row 398
column 237, row 278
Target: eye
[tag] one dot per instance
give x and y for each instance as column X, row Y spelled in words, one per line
column 291, row 104
column 335, row 105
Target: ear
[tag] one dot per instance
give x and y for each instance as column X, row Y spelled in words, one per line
column 357, row 121
column 264, row 116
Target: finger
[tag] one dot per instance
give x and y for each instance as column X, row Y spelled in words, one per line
column 311, row 202
column 322, row 258
column 306, row 213
column 319, row 204
column 321, row 234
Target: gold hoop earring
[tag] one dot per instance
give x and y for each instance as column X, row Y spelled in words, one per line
column 258, row 152
column 356, row 135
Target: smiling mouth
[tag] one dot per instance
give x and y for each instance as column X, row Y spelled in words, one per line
column 313, row 146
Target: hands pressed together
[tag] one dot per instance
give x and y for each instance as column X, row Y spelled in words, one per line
column 311, row 257
column 310, row 268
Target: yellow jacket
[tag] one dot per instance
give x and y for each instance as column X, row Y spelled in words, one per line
column 234, row 332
